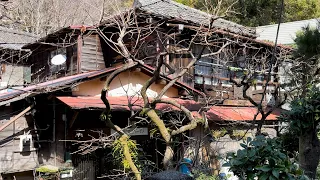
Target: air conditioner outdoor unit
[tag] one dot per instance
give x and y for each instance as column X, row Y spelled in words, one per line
column 25, row 143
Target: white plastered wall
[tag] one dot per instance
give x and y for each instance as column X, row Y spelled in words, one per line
column 127, row 83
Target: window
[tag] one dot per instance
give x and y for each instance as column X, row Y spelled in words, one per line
column 205, row 71
column 212, row 71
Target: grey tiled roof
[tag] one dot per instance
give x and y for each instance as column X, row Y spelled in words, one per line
column 171, row 9
column 13, row 39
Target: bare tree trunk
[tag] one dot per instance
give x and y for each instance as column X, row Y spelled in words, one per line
column 105, row 117
column 260, row 124
column 168, row 155
column 127, row 156
column 309, row 152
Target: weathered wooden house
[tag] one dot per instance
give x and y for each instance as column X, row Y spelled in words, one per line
column 60, row 103
column 14, row 74
column 14, row 70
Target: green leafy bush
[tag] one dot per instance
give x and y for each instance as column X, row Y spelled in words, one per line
column 262, row 158
column 304, row 113
column 203, row 176
column 290, row 142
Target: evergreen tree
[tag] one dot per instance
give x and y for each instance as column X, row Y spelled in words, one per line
column 258, row 12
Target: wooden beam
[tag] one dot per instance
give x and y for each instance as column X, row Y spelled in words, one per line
column 74, row 117
column 261, row 91
column 16, row 117
column 79, row 53
column 239, row 102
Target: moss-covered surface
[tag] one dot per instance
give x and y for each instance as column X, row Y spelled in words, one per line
column 47, row 169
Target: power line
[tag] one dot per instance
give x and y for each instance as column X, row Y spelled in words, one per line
column 273, row 52
column 269, row 71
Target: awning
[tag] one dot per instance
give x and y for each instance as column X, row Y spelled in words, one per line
column 215, row 113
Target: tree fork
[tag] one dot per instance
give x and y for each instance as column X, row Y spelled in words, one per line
column 105, row 116
column 126, row 152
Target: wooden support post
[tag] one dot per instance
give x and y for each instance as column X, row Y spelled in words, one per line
column 74, row 117
column 79, row 53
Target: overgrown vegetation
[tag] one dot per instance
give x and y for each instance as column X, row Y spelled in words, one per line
column 305, row 112
column 216, row 134
column 202, row 176
column 262, row 158
column 303, row 120
column 290, row 143
column 118, row 155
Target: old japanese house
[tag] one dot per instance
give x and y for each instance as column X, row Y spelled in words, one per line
column 60, row 104
column 14, row 71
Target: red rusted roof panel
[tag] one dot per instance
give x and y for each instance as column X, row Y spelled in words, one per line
column 217, row 113
column 121, row 103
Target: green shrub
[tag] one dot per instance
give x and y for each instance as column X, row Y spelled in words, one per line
column 203, row 176
column 262, row 158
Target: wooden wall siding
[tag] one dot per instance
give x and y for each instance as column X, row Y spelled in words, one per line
column 188, row 77
column 26, row 175
column 14, row 75
column 232, row 92
column 72, row 60
column 39, row 66
column 11, row 160
column 179, row 59
column 219, row 92
column 178, row 62
column 5, row 112
column 91, row 54
column 42, row 70
column 50, row 152
column 66, row 69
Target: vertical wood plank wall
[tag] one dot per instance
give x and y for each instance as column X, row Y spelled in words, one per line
column 91, row 54
column 11, row 160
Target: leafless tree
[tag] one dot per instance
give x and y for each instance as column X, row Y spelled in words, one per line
column 128, row 37
column 42, row 17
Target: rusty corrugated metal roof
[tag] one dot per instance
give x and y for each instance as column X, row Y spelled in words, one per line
column 215, row 113
column 121, row 103
column 237, row 113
